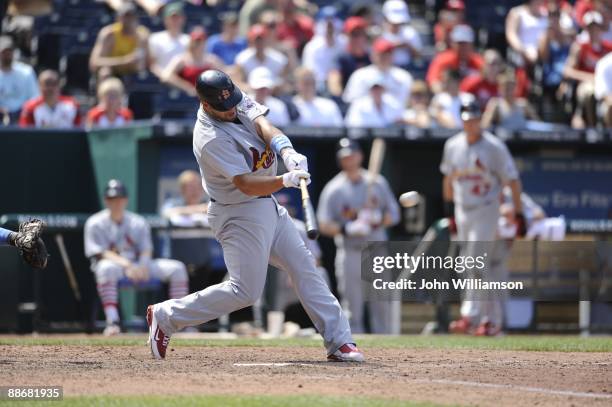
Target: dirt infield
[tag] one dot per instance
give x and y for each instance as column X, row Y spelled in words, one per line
column 466, row 377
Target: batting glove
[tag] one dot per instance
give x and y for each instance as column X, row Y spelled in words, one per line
column 291, row 179
column 373, row 217
column 295, row 161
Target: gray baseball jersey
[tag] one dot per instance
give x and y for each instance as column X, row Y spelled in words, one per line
column 342, row 199
column 481, row 168
column 226, row 149
column 128, row 239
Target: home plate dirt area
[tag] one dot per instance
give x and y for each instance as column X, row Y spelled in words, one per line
column 440, row 376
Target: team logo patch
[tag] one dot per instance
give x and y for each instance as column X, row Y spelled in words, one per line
column 225, row 94
column 262, row 160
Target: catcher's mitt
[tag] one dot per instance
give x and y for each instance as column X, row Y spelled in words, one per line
column 31, row 246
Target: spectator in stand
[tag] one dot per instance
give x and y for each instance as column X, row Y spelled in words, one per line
column 525, row 25
column 354, row 57
column 417, row 112
column 271, row 20
column 295, row 29
column 314, row 111
column 321, row 53
column 251, row 11
column 396, row 29
column 259, row 54
column 397, row 81
column 122, row 47
column 165, row 45
column 50, row 109
column 446, row 105
column 110, row 111
column 227, row 44
column 507, row 110
column 189, row 209
column 185, row 69
column 448, row 18
column 377, row 108
column 262, row 82
column 17, row 82
column 152, row 7
column 461, row 57
column 603, row 88
column 604, row 7
column 484, row 84
column 553, row 52
column 580, row 67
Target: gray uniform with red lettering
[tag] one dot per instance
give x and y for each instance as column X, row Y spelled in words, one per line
column 252, row 231
column 479, row 172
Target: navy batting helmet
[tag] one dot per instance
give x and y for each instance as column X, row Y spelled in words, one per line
column 217, row 89
column 115, row 189
column 469, row 108
column 346, row 147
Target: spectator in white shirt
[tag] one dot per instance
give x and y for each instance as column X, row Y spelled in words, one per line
column 397, row 81
column 376, row 109
column 165, row 45
column 407, row 42
column 314, row 111
column 262, row 82
column 446, row 105
column 17, row 82
column 322, row 51
column 603, row 87
column 259, row 54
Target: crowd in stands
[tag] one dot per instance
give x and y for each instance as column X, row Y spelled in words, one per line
column 313, row 63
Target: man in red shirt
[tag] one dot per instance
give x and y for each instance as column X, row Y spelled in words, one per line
column 461, row 57
column 294, row 28
column 484, row 85
column 580, row 67
column 50, row 109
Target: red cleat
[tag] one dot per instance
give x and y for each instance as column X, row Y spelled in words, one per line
column 346, row 353
column 158, row 340
column 461, row 326
column 487, row 329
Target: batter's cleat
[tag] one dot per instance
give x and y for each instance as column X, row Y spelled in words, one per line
column 111, row 330
column 460, row 326
column 487, row 329
column 158, row 340
column 347, row 353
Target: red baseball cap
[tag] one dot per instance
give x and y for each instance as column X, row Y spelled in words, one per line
column 455, row 5
column 354, row 23
column 257, row 31
column 197, row 33
column 382, row 45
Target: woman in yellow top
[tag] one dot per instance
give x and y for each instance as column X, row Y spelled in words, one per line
column 121, row 47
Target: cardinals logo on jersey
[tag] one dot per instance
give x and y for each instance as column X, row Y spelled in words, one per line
column 262, row 160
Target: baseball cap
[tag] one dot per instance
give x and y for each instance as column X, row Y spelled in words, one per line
column 172, row 9
column 455, row 5
column 592, row 17
column 383, row 45
column 346, row 147
column 257, row 31
column 197, row 33
column 396, row 11
column 462, row 33
column 261, row 77
column 126, row 8
column 6, row 42
column 115, row 189
column 355, row 23
column 327, row 13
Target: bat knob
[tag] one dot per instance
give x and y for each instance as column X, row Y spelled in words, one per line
column 312, row 234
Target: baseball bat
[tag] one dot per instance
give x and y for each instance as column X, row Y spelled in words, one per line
column 377, row 156
column 312, row 228
column 59, row 239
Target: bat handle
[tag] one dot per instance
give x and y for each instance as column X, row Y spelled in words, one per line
column 304, row 189
column 312, row 230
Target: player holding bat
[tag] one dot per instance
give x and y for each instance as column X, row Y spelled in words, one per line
column 355, row 207
column 237, row 149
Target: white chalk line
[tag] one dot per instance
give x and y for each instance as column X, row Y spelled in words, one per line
column 521, row 388
column 273, row 364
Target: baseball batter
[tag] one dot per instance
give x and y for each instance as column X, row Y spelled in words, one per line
column 118, row 243
column 353, row 217
column 237, row 149
column 476, row 166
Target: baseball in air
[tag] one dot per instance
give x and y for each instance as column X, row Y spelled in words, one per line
column 409, row 199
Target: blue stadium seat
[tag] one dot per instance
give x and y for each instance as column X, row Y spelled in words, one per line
column 174, row 104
